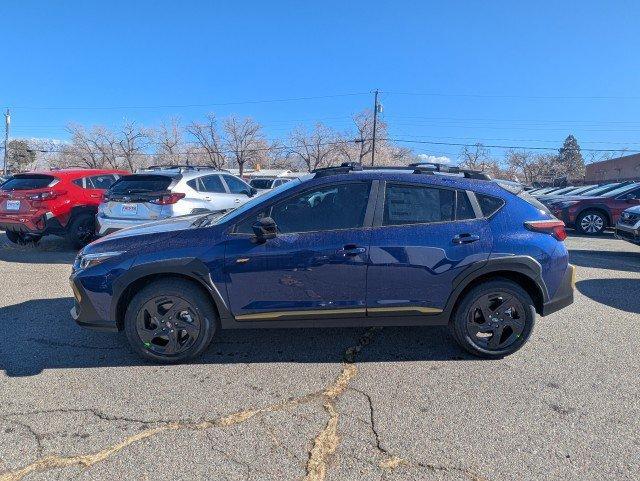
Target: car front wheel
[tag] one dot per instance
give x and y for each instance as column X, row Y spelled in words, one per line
column 170, row 321
column 494, row 319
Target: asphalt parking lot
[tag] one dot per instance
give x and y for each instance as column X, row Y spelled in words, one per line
column 336, row 404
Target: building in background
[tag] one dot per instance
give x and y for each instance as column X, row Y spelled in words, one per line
column 620, row 168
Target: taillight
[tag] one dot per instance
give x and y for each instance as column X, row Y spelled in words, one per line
column 46, row 195
column 167, row 199
column 551, row 227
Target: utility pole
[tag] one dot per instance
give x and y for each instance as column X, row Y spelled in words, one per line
column 7, row 122
column 375, row 121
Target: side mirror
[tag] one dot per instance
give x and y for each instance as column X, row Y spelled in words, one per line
column 265, row 228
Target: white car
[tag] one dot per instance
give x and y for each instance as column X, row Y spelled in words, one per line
column 163, row 192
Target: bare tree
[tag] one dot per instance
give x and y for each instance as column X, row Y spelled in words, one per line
column 132, row 143
column 169, row 142
column 208, row 140
column 85, row 147
column 244, row 140
column 315, row 149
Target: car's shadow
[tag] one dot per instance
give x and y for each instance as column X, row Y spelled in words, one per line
column 48, row 251
column 618, row 293
column 39, row 334
column 613, row 260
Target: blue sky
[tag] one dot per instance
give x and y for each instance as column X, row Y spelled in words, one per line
column 507, row 73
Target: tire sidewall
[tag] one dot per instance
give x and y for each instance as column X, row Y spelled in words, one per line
column 190, row 293
column 459, row 321
column 73, row 234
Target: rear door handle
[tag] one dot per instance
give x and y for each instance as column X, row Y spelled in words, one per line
column 465, row 238
column 351, row 250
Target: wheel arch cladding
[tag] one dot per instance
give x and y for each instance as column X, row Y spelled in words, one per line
column 523, row 280
column 139, row 283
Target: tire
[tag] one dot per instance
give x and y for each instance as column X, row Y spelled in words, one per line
column 476, row 334
column 81, row 231
column 22, row 239
column 146, row 332
column 592, row 222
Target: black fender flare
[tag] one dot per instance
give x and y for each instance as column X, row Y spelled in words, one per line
column 188, row 268
column 525, row 266
column 80, row 210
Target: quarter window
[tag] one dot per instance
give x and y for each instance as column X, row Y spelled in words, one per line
column 414, row 204
column 489, row 204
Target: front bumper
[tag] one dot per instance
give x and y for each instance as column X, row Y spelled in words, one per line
column 85, row 313
column 629, row 233
column 564, row 294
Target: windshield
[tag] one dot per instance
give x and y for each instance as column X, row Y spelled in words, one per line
column 28, row 182
column 603, row 189
column 259, row 199
column 261, row 183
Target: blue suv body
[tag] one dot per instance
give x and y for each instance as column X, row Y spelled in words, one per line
column 340, row 247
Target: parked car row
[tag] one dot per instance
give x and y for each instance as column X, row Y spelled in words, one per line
column 590, row 209
column 77, row 204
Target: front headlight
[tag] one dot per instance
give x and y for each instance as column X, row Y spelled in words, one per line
column 89, row 260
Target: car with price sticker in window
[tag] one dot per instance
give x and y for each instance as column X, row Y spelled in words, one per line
column 419, row 245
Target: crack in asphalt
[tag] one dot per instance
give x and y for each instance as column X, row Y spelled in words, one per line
column 324, row 445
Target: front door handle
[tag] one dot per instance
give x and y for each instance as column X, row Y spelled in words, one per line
column 465, row 238
column 351, row 250
column 237, row 201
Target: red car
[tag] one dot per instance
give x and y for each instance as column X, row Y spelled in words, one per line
column 59, row 202
column 592, row 215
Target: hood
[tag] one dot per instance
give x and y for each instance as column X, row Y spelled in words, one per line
column 146, row 237
column 174, row 224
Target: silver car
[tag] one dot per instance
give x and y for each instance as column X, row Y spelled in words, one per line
column 628, row 226
column 267, row 183
column 160, row 193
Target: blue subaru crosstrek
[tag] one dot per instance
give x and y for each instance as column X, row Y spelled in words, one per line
column 342, row 246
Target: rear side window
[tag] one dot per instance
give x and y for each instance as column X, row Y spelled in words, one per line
column 212, row 183
column 413, row 204
column 236, row 186
column 100, row 181
column 29, row 182
column 131, row 184
column 464, row 211
column 489, row 204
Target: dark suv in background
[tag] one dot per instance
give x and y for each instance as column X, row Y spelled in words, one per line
column 343, row 246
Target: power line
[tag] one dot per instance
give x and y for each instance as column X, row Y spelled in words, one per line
column 180, row 106
column 512, row 96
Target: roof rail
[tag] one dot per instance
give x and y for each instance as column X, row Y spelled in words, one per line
column 340, row 169
column 417, row 168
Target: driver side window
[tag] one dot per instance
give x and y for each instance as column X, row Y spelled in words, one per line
column 334, row 207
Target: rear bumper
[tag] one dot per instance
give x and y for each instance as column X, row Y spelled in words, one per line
column 40, row 224
column 107, row 225
column 628, row 233
column 564, row 294
column 84, row 312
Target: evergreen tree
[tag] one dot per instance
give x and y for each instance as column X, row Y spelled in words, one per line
column 570, row 161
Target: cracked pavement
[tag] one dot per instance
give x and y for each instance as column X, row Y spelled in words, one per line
column 335, row 404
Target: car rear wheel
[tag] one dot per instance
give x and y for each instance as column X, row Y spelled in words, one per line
column 22, row 239
column 170, row 321
column 494, row 319
column 591, row 222
column 81, row 230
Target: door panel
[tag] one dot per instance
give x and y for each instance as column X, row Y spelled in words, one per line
column 412, row 267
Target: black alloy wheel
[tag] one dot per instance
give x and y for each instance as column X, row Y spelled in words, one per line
column 170, row 320
column 493, row 319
